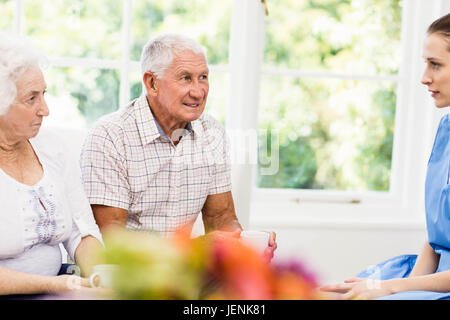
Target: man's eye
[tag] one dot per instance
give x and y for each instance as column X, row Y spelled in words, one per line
column 186, row 78
column 204, row 77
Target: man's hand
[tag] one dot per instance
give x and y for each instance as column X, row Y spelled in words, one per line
column 270, row 250
column 218, row 234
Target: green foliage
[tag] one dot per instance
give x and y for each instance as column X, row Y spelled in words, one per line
column 100, row 99
column 376, row 155
column 151, row 267
column 334, row 134
column 6, row 15
column 205, row 20
column 297, row 167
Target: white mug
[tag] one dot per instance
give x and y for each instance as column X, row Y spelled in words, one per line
column 258, row 240
column 105, row 275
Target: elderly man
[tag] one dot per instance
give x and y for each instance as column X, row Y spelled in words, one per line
column 157, row 163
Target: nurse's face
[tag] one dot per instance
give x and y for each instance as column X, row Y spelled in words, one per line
column 437, row 71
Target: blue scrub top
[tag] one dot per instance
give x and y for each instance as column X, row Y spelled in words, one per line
column 437, row 199
column 437, row 207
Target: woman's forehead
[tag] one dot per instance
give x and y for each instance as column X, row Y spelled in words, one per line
column 31, row 80
column 436, row 47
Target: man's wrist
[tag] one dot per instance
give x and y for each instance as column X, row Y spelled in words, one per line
column 234, row 225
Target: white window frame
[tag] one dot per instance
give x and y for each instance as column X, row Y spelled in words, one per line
column 415, row 123
column 124, row 65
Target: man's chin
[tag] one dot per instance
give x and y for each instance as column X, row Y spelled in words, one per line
column 192, row 115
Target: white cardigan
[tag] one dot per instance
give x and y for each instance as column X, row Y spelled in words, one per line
column 72, row 204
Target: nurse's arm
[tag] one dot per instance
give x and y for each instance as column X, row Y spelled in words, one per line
column 426, row 263
column 437, row 282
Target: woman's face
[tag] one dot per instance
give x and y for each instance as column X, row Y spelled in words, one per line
column 437, row 72
column 24, row 117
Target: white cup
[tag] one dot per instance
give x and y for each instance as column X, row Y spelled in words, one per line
column 258, row 240
column 105, row 275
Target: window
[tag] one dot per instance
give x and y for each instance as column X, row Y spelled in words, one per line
column 329, row 87
column 334, row 82
column 206, row 21
column 355, row 125
column 7, row 10
column 94, row 48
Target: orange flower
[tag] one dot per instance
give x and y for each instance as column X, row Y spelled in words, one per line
column 242, row 272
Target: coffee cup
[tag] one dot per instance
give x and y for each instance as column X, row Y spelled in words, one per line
column 103, row 275
column 258, row 240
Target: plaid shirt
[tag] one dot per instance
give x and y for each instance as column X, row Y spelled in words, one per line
column 128, row 162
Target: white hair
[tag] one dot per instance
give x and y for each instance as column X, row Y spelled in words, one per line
column 16, row 57
column 157, row 55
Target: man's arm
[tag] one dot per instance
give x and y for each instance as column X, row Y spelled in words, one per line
column 107, row 217
column 218, row 213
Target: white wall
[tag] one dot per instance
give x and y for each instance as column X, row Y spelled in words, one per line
column 338, row 253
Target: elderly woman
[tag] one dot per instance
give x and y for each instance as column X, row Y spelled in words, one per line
column 42, row 199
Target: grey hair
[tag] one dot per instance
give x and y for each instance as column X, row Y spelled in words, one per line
column 157, row 55
column 17, row 55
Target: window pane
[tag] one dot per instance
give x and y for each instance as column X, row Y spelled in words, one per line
column 136, row 84
column 206, row 21
column 218, row 97
column 354, row 36
column 77, row 97
column 82, row 28
column 333, row 134
column 6, row 15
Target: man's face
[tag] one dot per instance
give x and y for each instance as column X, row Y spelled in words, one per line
column 183, row 89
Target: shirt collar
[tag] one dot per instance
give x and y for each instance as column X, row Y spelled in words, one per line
column 146, row 123
column 148, row 126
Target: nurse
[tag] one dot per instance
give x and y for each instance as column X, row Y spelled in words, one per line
column 426, row 276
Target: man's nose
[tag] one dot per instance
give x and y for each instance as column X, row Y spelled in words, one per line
column 197, row 91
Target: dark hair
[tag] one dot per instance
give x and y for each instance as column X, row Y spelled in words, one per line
column 441, row 26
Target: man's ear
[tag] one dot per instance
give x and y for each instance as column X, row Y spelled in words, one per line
column 150, row 82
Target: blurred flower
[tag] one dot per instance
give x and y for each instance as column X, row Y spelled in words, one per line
column 201, row 268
